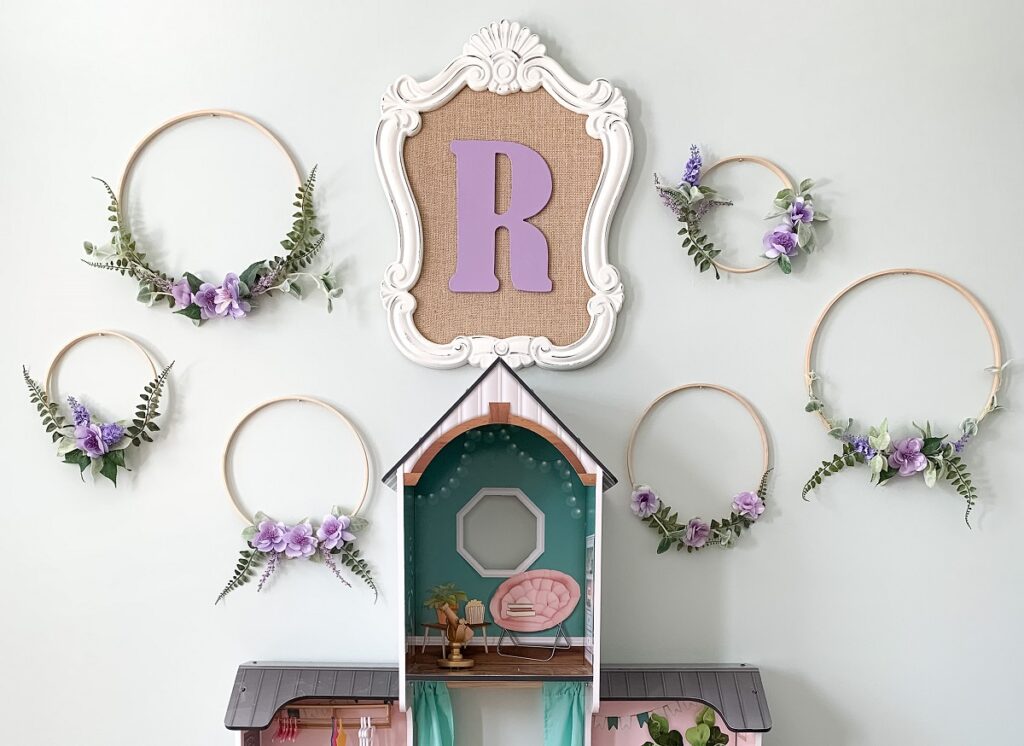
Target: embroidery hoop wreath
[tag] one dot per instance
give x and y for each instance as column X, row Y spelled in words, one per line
column 694, row 534
column 314, row 538
column 934, row 457
column 188, row 294
column 97, row 446
column 691, row 201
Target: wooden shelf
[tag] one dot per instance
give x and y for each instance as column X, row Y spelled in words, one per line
column 567, row 665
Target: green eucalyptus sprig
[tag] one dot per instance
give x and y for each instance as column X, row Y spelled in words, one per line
column 192, row 297
column 330, row 542
column 93, row 445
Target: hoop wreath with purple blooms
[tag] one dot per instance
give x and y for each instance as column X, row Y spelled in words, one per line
column 695, row 533
column 188, row 294
column 270, row 542
column 793, row 206
column 86, row 442
column 934, row 457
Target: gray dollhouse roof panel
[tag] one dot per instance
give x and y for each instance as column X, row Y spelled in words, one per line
column 261, row 689
column 734, row 691
column 608, row 479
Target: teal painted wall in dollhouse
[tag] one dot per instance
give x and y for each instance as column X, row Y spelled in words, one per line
column 492, row 456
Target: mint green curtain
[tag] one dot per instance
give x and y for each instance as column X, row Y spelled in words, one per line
column 564, row 706
column 432, row 714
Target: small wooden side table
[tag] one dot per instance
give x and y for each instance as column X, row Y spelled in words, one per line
column 443, row 628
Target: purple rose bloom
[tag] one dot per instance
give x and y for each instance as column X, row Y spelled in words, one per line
column 111, row 432
column 89, row 438
column 182, row 293
column 748, row 504
column 801, row 211
column 780, row 241
column 644, row 502
column 205, row 298
column 79, row 413
column 907, row 457
column 697, row 533
column 299, row 541
column 333, row 532
column 227, row 300
column 270, row 537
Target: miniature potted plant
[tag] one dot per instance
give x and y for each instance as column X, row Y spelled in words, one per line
column 446, row 593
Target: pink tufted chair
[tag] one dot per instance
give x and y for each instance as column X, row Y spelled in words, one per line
column 554, row 596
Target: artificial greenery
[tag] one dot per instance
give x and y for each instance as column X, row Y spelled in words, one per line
column 190, row 296
column 694, row 534
column 690, row 203
column 330, row 541
column 98, row 446
column 704, row 733
column 796, row 232
column 934, row 457
column 446, row 593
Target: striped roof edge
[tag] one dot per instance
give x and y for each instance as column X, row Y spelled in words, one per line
column 261, row 689
column 609, row 479
column 734, row 692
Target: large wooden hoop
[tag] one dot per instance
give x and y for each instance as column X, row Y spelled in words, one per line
column 997, row 350
column 292, row 398
column 775, row 169
column 225, row 113
column 762, row 431
column 50, row 372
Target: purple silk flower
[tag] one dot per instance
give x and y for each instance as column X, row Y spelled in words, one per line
column 907, row 457
column 644, row 503
column 748, row 504
column 182, row 293
column 697, row 533
column 89, row 439
column 801, row 211
column 299, row 541
column 270, row 537
column 333, row 532
column 780, row 241
column 206, row 299
column 228, row 303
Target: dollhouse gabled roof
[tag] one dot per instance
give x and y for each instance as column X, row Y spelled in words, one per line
column 735, row 692
column 261, row 689
column 499, row 383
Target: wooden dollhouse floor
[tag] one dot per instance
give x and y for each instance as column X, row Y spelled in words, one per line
column 567, row 665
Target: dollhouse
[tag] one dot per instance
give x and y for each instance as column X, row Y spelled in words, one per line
column 500, row 540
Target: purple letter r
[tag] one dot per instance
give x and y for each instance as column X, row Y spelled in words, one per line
column 475, row 165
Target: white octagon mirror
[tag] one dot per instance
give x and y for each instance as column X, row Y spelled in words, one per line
column 500, row 532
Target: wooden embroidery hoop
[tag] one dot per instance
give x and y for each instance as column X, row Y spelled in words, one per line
column 200, row 113
column 762, row 431
column 997, row 351
column 786, row 182
column 293, row 398
column 81, row 338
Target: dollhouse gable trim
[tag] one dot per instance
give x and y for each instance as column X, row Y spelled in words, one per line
column 500, row 395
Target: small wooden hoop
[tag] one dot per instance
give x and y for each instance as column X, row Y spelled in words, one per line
column 293, row 398
column 997, row 351
column 82, row 337
column 145, row 141
column 765, row 459
column 787, row 183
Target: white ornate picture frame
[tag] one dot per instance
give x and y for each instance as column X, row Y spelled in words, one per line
column 503, row 58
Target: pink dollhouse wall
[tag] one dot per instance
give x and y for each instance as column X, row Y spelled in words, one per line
column 393, row 736
column 681, row 715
